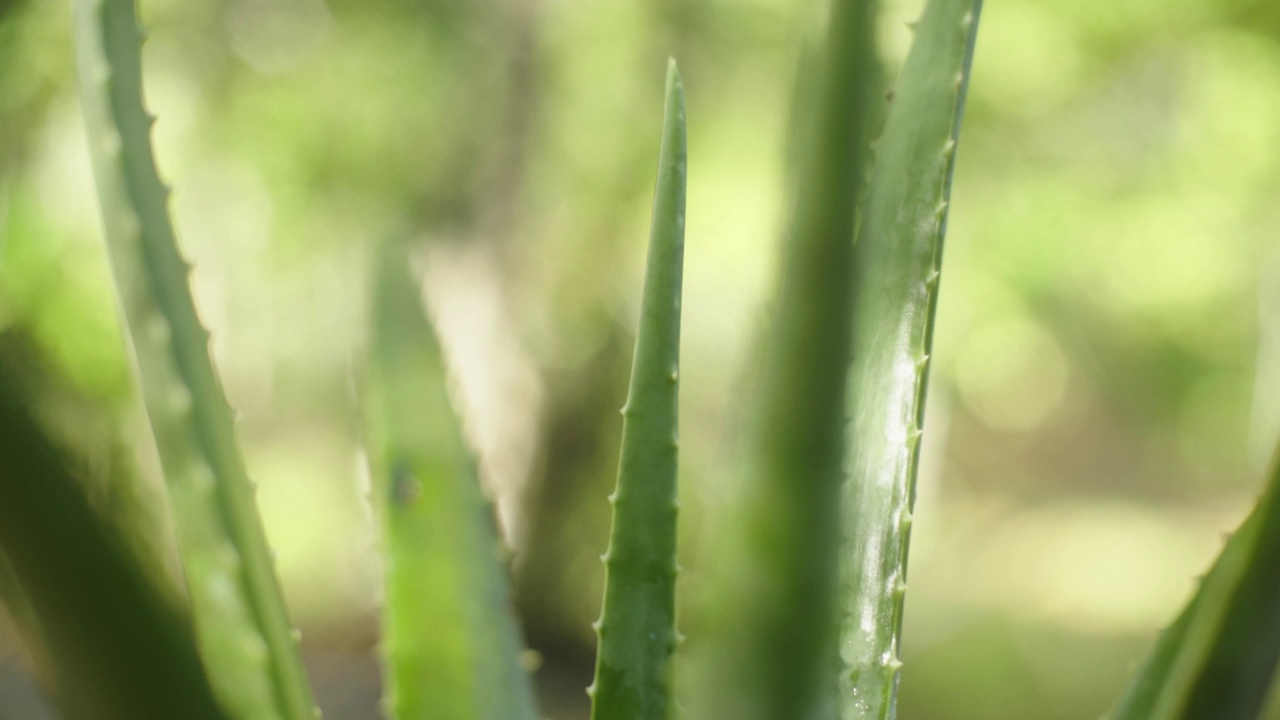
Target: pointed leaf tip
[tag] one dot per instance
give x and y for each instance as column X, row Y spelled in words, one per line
column 637, row 621
column 674, row 84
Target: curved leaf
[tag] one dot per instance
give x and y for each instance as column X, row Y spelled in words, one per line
column 1218, row 659
column 244, row 632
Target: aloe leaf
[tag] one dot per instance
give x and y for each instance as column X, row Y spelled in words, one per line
column 769, row 624
column 451, row 645
column 244, row 633
column 1218, row 658
column 1144, row 690
column 899, row 257
column 637, row 626
column 118, row 650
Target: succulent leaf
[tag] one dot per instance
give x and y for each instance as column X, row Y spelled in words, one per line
column 243, row 629
column 637, row 627
column 898, row 256
column 451, row 646
column 1219, row 657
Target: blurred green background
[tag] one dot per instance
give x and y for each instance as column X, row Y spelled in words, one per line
column 1106, row 387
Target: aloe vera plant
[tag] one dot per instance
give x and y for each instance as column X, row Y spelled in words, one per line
column 450, row 646
column 637, row 627
column 803, row 614
column 247, row 642
column 899, row 256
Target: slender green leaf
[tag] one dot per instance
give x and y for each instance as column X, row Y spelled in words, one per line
column 1217, row 660
column 451, row 646
column 118, row 650
column 899, row 257
column 246, row 640
column 768, row 628
column 637, row 626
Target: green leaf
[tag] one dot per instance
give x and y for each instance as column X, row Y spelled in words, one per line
column 451, row 646
column 118, row 649
column 1218, row 658
column 637, row 626
column 244, row 632
column 899, row 257
column 1144, row 691
column 769, row 624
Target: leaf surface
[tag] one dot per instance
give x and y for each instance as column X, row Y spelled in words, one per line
column 451, row 646
column 244, row 633
column 637, row 626
column 899, row 258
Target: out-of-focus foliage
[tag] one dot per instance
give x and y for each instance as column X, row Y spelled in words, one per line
column 117, row 648
column 1107, row 359
column 450, row 644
